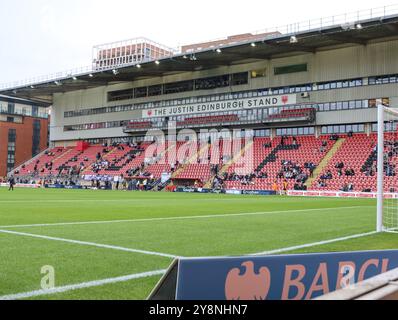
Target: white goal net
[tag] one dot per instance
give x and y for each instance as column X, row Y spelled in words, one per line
column 387, row 164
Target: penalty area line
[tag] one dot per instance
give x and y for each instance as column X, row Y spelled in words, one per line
column 84, row 285
column 92, row 244
column 314, row 244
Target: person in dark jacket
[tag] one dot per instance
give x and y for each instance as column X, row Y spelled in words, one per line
column 11, row 181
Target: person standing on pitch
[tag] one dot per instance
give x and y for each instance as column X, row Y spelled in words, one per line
column 11, row 181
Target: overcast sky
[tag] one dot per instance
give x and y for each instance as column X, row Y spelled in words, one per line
column 39, row 37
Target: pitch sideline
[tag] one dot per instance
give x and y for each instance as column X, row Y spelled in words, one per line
column 173, row 218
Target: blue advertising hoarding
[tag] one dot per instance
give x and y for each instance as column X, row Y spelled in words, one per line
column 284, row 277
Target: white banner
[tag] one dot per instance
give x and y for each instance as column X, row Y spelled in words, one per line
column 221, row 106
column 340, row 194
column 21, row 185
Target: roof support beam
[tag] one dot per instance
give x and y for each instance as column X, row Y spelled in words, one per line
column 345, row 38
column 293, row 46
column 249, row 55
column 392, row 27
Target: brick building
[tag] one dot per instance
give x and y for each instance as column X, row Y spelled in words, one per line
column 229, row 41
column 23, row 132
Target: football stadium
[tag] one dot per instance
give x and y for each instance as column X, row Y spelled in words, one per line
column 175, row 173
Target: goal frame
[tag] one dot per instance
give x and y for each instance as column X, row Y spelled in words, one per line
column 381, row 110
column 380, row 167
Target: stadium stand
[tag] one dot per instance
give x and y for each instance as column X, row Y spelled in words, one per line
column 48, row 161
column 280, row 159
column 294, row 107
column 352, row 167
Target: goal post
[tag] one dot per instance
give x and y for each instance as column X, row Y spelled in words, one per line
column 380, row 167
column 387, row 171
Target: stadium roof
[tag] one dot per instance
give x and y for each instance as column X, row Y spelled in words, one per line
column 20, row 100
column 281, row 45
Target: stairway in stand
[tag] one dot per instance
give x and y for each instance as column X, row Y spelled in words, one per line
column 325, row 161
column 225, row 168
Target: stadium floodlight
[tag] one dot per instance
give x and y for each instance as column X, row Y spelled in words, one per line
column 387, row 191
column 32, row 87
column 138, row 66
column 57, row 83
column 115, row 72
column 293, row 39
column 91, row 75
column 218, row 50
column 253, row 44
column 74, row 78
column 157, row 62
column 185, row 56
column 358, row 26
column 193, row 57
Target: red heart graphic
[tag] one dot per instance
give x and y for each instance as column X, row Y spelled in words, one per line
column 149, row 113
column 285, row 99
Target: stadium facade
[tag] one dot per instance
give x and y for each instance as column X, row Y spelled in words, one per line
column 318, row 82
column 340, row 72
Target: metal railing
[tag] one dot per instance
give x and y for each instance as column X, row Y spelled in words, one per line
column 346, row 21
column 4, row 110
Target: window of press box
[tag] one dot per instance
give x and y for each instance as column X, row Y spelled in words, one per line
column 212, row 83
column 342, row 129
column 155, row 90
column 141, row 92
column 302, row 131
column 262, row 133
column 291, row 69
column 330, row 85
column 121, row 95
column 177, row 87
column 390, row 126
column 239, row 78
column 383, row 79
column 259, row 73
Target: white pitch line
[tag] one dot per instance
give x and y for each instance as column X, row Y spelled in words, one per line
column 173, row 218
column 314, row 244
column 96, row 283
column 92, row 244
column 118, row 200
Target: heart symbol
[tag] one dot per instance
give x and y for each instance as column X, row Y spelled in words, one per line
column 285, row 99
column 149, row 113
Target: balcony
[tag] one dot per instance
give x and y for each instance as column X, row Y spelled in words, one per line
column 6, row 111
column 307, row 116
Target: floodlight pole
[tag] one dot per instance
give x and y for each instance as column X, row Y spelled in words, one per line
column 380, row 166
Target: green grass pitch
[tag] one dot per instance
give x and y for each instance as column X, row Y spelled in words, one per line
column 174, row 224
